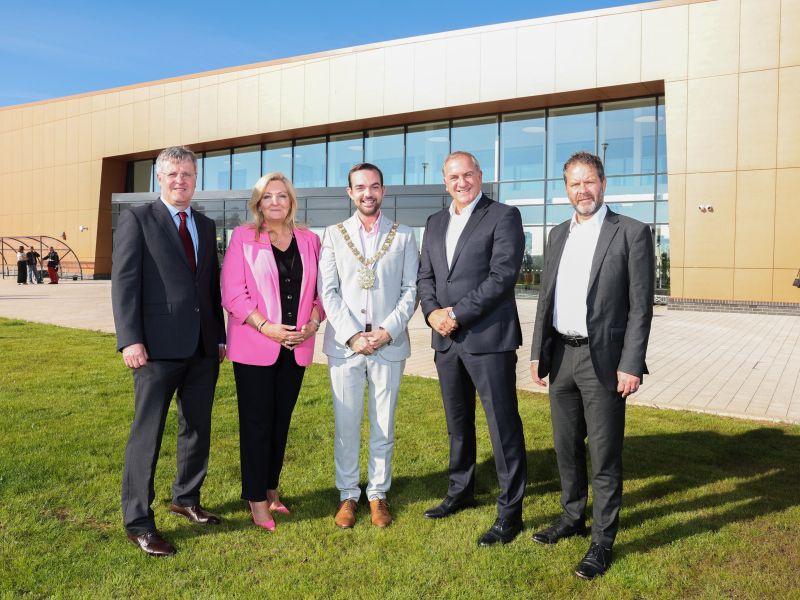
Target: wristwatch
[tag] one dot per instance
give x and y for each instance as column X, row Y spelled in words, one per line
column 452, row 315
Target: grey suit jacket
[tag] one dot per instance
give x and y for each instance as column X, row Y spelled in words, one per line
column 156, row 298
column 480, row 283
column 619, row 299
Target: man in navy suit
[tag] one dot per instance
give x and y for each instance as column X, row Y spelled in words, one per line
column 471, row 257
column 168, row 316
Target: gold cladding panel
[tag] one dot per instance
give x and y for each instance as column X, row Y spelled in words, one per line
column 755, row 219
column 619, row 49
column 710, row 235
column 787, row 241
column 711, row 124
column 125, row 129
column 790, row 40
column 190, row 109
column 675, row 109
column 708, row 284
column 789, row 118
column 498, row 65
column 758, row 119
column 713, row 38
column 536, row 60
column 677, row 218
column 752, row 284
column 576, row 50
column 782, row 288
column 227, row 101
column 759, row 39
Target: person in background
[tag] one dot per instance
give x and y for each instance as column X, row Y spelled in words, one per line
column 33, row 260
column 52, row 265
column 22, row 265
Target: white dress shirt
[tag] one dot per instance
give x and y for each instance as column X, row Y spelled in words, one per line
column 572, row 283
column 369, row 246
column 456, row 226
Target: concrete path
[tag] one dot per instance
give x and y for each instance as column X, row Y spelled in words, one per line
column 741, row 365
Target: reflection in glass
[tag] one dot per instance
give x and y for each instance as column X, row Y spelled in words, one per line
column 569, row 130
column 246, row 167
column 217, row 170
column 142, row 176
column 630, row 189
column 426, row 148
column 531, row 192
column 531, row 215
column 277, row 157
column 235, row 213
column 479, row 137
column 199, row 178
column 530, row 276
column 559, row 213
column 641, row 211
column 522, row 139
column 662, row 259
column 662, row 137
column 385, row 148
column 662, row 191
column 628, row 136
column 662, row 212
column 309, row 163
column 344, row 151
column 557, row 192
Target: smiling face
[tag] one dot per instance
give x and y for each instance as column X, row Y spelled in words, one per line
column 366, row 192
column 585, row 190
column 463, row 179
column 177, row 181
column 275, row 202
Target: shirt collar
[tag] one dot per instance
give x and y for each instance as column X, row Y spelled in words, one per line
column 174, row 211
column 375, row 228
column 467, row 210
column 595, row 222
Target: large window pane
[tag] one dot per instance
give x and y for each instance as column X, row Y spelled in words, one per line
column 385, row 148
column 522, row 139
column 557, row 192
column 628, row 136
column 641, row 211
column 662, row 190
column 344, row 151
column 559, row 213
column 426, row 148
column 478, row 136
column 630, row 189
column 309, row 163
column 246, row 167
column 527, row 192
column 662, row 259
column 141, row 176
column 569, row 130
column 662, row 212
column 217, row 170
column 277, row 157
column 662, row 138
column 530, row 275
column 199, row 177
column 235, row 213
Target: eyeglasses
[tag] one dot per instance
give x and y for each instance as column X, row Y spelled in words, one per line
column 175, row 175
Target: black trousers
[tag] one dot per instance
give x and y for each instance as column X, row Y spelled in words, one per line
column 493, row 375
column 581, row 406
column 194, row 380
column 266, row 398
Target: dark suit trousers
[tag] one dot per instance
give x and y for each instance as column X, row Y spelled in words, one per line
column 194, row 380
column 266, row 398
column 579, row 406
column 493, row 375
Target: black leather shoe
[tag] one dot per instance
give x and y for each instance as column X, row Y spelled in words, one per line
column 448, row 507
column 153, row 544
column 196, row 514
column 595, row 563
column 558, row 531
column 502, row 532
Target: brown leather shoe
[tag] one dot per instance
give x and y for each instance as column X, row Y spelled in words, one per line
column 153, row 544
column 381, row 517
column 196, row 514
column 346, row 514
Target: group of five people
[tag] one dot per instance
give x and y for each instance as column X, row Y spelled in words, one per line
column 278, row 282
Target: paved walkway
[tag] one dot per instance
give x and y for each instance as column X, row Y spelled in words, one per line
column 739, row 365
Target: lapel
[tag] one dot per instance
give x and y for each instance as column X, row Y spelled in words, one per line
column 608, row 230
column 480, row 210
column 265, row 260
column 164, row 219
column 304, row 250
column 556, row 249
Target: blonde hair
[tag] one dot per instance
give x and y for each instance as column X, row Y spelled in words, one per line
column 258, row 194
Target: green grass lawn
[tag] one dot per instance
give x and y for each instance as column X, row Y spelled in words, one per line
column 710, row 508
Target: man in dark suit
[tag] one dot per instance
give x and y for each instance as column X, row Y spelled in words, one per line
column 590, row 336
column 471, row 257
column 168, row 316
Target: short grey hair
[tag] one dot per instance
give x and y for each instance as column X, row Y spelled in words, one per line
column 462, row 153
column 175, row 154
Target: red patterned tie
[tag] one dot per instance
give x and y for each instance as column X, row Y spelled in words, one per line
column 186, row 239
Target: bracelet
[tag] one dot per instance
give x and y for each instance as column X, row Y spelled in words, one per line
column 315, row 322
column 260, row 325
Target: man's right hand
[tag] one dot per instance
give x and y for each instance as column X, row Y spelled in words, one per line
column 535, row 374
column 441, row 322
column 134, row 356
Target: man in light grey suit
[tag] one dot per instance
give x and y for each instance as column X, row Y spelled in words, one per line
column 367, row 283
column 591, row 331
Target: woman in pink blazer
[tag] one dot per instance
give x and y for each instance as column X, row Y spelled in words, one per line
column 269, row 288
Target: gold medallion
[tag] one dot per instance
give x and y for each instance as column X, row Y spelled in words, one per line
column 366, row 277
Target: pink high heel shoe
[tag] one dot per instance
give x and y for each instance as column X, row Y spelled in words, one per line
column 276, row 505
column 268, row 525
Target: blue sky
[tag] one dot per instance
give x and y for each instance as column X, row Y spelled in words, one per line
column 55, row 48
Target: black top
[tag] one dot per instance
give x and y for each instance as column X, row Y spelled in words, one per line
column 290, row 278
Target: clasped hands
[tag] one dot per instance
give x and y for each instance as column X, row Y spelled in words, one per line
column 440, row 321
column 289, row 336
column 369, row 342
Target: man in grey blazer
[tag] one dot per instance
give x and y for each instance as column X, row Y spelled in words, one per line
column 592, row 326
column 367, row 283
column 471, row 257
column 168, row 316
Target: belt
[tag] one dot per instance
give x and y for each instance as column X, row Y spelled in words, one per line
column 573, row 340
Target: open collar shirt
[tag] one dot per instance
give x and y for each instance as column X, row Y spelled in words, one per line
column 458, row 221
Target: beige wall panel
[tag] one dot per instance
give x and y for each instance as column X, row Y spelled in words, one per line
column 190, row 84
column 317, row 95
column 790, row 41
column 752, row 284
column 429, row 74
column 342, row 104
column 712, row 124
column 619, row 48
column 27, row 116
column 708, row 284
column 156, row 121
column 247, row 106
column 84, row 188
column 37, row 114
column 59, row 110
column 172, row 119
column 26, row 149
column 787, row 246
column 125, row 128
column 141, row 125
column 112, row 100
column 677, row 218
column 292, row 97
column 398, row 90
column 72, row 140
column 208, row 80
column 269, row 100
column 710, row 235
column 369, row 76
column 93, row 199
column 26, row 204
column 15, row 156
column 498, row 56
column 85, row 105
column 227, row 101
column 189, row 111
column 207, row 113
column 127, row 97
column 59, row 142
column 227, row 76
column 755, row 219
column 98, row 102
column 789, row 118
column 49, row 205
column 536, row 60
column 84, row 137
column 713, row 38
column 42, row 154
column 155, row 91
column 759, row 36
column 72, row 107
column 111, row 131
column 172, row 87
column 461, row 89
column 782, row 288
column 98, row 134
column 576, row 54
column 758, row 119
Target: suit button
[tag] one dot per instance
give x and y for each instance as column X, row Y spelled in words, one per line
column 196, row 309
column 288, row 296
column 289, row 315
column 448, row 281
column 363, row 311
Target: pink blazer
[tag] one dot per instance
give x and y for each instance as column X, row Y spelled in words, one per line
column 250, row 282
